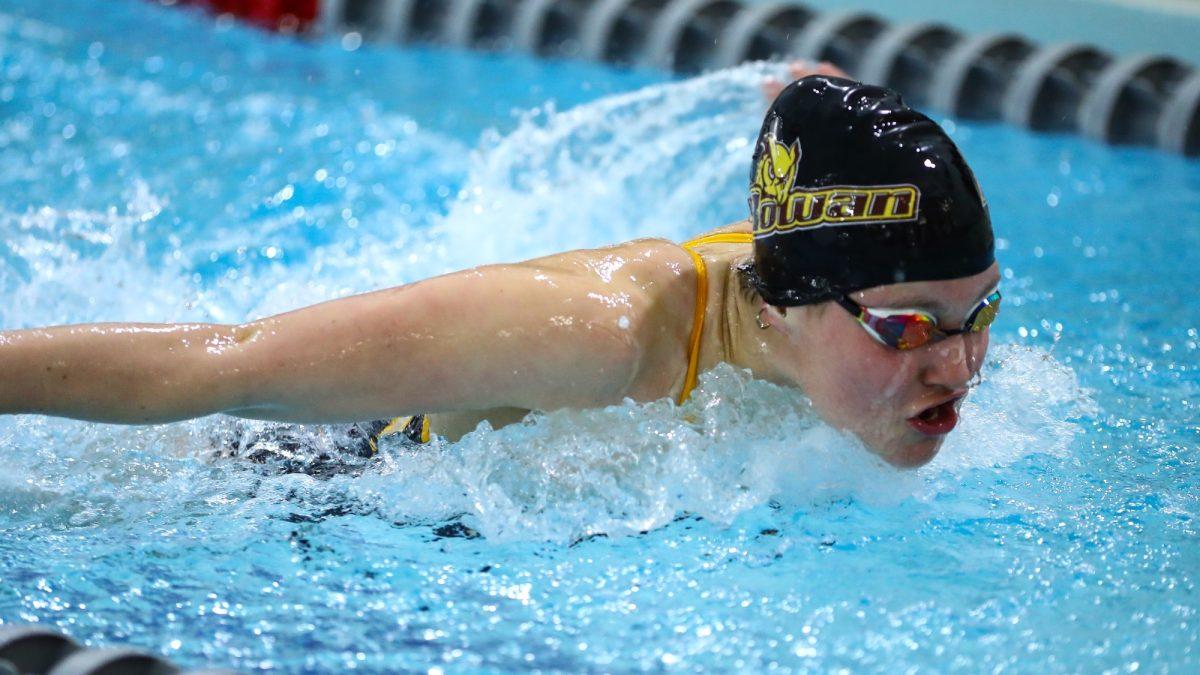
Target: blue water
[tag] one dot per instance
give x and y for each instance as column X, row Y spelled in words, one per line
column 155, row 166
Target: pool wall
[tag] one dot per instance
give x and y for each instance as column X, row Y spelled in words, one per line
column 1117, row 96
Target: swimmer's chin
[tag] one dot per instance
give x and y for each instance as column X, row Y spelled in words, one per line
column 913, row 455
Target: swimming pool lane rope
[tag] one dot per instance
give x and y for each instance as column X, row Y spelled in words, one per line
column 1139, row 100
column 35, row 650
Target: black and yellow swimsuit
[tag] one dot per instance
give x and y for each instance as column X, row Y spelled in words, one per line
column 415, row 428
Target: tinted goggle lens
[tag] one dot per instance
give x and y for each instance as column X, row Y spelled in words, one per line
column 909, row 330
column 904, row 331
column 985, row 314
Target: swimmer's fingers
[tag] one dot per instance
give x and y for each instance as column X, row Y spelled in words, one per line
column 771, row 88
column 801, row 69
column 798, row 69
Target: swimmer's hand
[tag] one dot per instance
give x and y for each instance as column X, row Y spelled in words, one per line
column 797, row 70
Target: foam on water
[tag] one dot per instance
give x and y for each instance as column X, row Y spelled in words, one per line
column 646, row 163
column 563, row 476
column 74, row 265
column 737, row 444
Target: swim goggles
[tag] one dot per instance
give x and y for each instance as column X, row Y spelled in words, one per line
column 911, row 328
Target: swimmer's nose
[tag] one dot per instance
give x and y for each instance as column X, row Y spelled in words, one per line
column 954, row 362
column 976, row 346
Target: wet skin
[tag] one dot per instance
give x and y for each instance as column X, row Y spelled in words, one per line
column 855, row 383
column 872, row 390
column 578, row 329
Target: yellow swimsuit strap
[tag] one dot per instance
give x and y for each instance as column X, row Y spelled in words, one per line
column 689, row 380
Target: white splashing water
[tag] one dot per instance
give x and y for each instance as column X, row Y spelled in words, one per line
column 738, row 443
column 1026, row 405
column 71, row 264
column 667, row 160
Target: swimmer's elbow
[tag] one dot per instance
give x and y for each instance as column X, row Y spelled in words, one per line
column 236, row 373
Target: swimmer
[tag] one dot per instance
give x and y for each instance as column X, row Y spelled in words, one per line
column 865, row 276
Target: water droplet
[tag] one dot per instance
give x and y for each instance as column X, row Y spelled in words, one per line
column 352, row 41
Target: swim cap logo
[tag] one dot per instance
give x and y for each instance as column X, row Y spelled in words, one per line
column 778, row 206
column 777, row 170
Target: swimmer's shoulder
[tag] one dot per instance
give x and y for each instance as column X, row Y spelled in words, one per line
column 650, row 257
column 657, row 258
column 666, row 279
column 741, row 226
column 639, row 267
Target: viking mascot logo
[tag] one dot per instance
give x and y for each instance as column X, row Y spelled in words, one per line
column 776, row 172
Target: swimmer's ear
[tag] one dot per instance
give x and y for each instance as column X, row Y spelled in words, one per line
column 770, row 315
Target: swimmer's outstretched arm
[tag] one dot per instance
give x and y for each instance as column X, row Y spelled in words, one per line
column 510, row 335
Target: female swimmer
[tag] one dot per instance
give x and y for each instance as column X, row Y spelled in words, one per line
column 865, row 276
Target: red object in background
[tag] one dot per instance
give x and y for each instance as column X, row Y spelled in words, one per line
column 290, row 16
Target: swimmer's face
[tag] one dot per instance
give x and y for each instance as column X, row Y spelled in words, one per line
column 887, row 397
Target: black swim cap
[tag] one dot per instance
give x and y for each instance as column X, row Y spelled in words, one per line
column 851, row 188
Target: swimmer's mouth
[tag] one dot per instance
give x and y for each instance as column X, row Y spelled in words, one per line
column 937, row 420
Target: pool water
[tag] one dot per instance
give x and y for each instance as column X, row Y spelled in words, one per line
column 155, row 165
